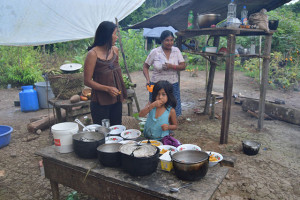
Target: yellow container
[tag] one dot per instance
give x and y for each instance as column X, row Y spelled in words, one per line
column 166, row 165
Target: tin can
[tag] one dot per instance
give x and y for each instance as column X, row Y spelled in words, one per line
column 106, row 123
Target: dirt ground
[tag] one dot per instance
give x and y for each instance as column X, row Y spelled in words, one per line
column 271, row 174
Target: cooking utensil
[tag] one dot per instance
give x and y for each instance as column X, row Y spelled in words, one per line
column 81, row 124
column 173, row 189
column 109, row 155
column 103, row 130
column 136, row 164
column 190, row 164
column 250, row 147
column 85, row 143
column 70, row 67
column 206, row 20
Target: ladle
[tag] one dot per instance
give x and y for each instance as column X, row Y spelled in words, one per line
column 80, row 123
column 177, row 189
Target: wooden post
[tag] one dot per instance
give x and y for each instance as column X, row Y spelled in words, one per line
column 264, row 81
column 179, row 44
column 206, row 69
column 55, row 190
column 125, row 63
column 227, row 89
column 211, row 77
column 213, row 103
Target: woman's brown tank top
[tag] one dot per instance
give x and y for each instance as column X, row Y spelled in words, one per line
column 108, row 72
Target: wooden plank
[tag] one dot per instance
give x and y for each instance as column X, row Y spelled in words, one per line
column 228, row 85
column 264, row 81
column 211, row 77
column 222, row 32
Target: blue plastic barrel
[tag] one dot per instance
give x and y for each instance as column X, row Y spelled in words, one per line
column 28, row 99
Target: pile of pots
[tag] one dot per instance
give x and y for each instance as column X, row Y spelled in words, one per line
column 136, row 159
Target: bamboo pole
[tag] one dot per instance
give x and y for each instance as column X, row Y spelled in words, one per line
column 125, row 63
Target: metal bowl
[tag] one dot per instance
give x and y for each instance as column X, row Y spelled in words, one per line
column 250, row 147
column 206, row 20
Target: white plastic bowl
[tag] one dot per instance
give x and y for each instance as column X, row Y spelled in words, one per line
column 167, row 148
column 217, row 155
column 118, row 128
column 113, row 139
column 131, row 134
column 184, row 147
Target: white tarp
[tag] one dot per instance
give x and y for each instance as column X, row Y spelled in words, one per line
column 38, row 22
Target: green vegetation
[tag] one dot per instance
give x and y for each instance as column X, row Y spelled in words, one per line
column 26, row 65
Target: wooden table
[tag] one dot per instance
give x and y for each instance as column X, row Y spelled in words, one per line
column 71, row 113
column 231, row 34
column 114, row 183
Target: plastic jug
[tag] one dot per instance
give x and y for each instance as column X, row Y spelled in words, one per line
column 244, row 16
column 28, row 99
column 231, row 10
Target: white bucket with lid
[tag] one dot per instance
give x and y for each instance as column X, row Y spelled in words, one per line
column 63, row 136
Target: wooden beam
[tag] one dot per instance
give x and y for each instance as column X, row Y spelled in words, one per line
column 211, row 77
column 125, row 63
column 228, row 85
column 264, row 81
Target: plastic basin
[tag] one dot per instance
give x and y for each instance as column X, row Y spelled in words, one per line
column 5, row 133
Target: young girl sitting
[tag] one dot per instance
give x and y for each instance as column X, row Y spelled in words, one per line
column 162, row 116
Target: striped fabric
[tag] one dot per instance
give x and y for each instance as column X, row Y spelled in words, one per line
column 176, row 92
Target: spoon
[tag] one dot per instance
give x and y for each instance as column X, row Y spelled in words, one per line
column 177, row 189
column 80, row 123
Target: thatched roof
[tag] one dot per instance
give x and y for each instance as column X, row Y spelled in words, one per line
column 176, row 15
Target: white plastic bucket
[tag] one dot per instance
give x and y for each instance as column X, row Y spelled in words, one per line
column 62, row 134
column 42, row 88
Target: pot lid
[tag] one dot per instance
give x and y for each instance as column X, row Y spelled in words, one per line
column 137, row 150
column 70, row 67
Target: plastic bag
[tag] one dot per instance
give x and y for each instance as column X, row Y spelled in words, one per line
column 260, row 19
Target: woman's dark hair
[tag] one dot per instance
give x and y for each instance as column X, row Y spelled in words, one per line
column 167, row 86
column 103, row 35
column 165, row 34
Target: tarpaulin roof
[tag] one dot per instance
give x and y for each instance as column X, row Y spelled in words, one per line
column 37, row 22
column 156, row 32
column 176, row 15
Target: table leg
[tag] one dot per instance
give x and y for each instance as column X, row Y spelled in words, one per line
column 55, row 190
column 58, row 115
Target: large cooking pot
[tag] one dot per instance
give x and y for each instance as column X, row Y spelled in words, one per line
column 139, row 160
column 85, row 143
column 190, row 164
column 109, row 155
column 206, row 20
column 250, row 147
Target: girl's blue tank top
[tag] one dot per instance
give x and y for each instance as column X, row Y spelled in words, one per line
column 153, row 128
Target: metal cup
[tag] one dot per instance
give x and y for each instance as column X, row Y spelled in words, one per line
column 106, row 123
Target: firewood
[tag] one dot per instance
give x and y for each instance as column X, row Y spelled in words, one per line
column 43, row 123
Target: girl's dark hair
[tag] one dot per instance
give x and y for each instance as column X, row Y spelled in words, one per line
column 103, row 35
column 167, row 86
column 165, row 34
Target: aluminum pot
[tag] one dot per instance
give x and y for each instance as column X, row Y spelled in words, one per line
column 190, row 165
column 206, row 20
column 140, row 166
column 109, row 155
column 250, row 147
column 103, row 130
column 85, row 143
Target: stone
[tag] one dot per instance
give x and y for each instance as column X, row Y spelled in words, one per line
column 39, row 131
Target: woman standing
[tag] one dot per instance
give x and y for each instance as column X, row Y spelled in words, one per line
column 166, row 60
column 103, row 74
